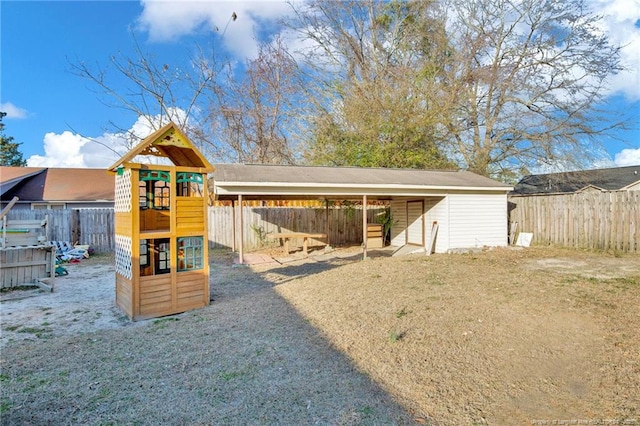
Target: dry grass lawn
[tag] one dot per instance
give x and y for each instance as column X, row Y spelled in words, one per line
column 500, row 337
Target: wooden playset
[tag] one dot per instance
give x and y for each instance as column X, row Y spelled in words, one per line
column 161, row 256
column 26, row 257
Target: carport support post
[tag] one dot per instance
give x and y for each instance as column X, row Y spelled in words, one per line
column 241, row 239
column 364, row 226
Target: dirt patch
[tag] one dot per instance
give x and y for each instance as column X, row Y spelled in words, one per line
column 499, row 337
column 606, row 267
column 81, row 302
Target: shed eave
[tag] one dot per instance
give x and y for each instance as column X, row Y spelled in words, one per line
column 328, row 192
column 287, row 187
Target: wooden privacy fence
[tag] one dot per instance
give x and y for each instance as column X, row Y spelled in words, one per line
column 594, row 220
column 95, row 226
column 345, row 224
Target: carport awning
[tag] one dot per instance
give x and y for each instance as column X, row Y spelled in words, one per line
column 254, row 181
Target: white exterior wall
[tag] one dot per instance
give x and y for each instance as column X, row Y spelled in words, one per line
column 464, row 221
column 477, row 220
column 436, row 211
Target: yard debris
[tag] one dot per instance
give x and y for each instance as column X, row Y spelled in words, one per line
column 67, row 252
column 524, row 239
column 60, row 270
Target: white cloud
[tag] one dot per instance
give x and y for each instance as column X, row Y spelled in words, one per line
column 12, row 110
column 619, row 23
column 169, row 20
column 627, row 157
column 146, row 125
column 69, row 149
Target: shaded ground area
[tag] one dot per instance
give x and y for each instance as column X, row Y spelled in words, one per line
column 249, row 358
column 500, row 337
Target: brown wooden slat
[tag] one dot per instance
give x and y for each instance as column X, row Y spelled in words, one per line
column 25, row 265
column 594, row 220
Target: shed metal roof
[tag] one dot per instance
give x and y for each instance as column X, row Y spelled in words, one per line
column 270, row 181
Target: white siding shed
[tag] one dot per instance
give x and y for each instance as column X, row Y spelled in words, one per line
column 469, row 210
column 463, row 221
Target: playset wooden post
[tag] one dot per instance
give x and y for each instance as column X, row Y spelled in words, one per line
column 161, row 255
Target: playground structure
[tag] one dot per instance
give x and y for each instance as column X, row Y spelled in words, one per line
column 26, row 257
column 161, row 256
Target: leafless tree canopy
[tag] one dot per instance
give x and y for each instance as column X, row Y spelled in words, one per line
column 527, row 79
column 256, row 113
column 494, row 86
column 154, row 89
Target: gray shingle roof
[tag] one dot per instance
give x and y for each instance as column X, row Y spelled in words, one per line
column 263, row 182
column 346, row 176
column 610, row 179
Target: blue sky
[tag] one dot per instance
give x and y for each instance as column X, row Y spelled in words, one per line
column 51, row 110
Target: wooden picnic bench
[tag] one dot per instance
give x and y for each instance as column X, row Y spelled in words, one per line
column 286, row 236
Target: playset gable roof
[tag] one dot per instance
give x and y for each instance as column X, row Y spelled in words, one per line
column 171, row 143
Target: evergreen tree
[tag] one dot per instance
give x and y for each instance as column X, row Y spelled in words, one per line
column 9, row 151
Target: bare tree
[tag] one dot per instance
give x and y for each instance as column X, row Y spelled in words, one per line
column 257, row 112
column 232, row 112
column 527, row 78
column 153, row 89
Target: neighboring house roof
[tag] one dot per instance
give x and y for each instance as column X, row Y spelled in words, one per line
column 612, row 179
column 10, row 177
column 167, row 142
column 36, row 184
column 264, row 181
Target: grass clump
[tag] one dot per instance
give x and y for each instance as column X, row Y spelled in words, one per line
column 396, row 336
column 163, row 323
column 37, row 331
column 402, row 312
